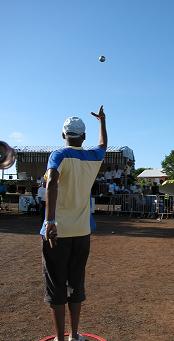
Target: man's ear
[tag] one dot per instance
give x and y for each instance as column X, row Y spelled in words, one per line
column 63, row 135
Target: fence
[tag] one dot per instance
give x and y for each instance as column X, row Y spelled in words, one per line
column 9, row 203
column 137, row 204
column 154, row 206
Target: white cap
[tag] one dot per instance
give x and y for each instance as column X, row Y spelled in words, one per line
column 74, row 125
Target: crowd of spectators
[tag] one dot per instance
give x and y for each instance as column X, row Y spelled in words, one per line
column 119, row 181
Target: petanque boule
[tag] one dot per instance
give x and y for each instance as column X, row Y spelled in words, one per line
column 102, row 59
column 7, row 155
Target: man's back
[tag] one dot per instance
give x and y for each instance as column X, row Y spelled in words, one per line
column 77, row 170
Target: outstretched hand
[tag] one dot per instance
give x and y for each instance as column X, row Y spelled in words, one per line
column 100, row 115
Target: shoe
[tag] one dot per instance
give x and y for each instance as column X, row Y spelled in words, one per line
column 80, row 338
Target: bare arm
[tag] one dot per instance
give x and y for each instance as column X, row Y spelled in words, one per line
column 51, row 198
column 102, row 132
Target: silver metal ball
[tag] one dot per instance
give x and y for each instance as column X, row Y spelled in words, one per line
column 102, row 59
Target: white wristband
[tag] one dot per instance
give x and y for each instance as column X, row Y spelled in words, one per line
column 49, row 222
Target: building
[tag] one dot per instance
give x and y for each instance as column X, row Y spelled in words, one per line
column 32, row 161
column 153, row 175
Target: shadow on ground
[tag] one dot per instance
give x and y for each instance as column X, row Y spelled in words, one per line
column 20, row 223
column 106, row 225
column 126, row 226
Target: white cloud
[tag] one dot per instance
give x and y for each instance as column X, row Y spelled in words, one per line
column 17, row 136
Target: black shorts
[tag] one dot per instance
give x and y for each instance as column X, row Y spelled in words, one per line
column 64, row 269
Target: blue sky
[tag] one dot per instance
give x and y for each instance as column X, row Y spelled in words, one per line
column 49, row 70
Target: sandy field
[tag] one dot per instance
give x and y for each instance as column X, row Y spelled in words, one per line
column 129, row 280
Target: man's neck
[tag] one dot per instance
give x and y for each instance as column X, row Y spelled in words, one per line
column 73, row 143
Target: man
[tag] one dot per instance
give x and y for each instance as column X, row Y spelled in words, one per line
column 41, row 196
column 71, row 173
column 116, row 175
column 112, row 188
column 108, row 175
column 3, row 190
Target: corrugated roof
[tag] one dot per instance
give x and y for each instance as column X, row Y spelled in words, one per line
column 49, row 149
column 152, row 173
column 36, row 149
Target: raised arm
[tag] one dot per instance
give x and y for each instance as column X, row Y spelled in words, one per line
column 102, row 130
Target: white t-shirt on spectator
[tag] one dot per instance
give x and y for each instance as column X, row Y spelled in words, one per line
column 116, row 174
column 41, row 193
column 108, row 175
column 127, row 170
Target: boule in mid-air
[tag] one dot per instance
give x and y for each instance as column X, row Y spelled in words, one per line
column 102, row 59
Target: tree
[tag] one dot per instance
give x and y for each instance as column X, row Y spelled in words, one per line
column 138, row 171
column 168, row 165
column 135, row 173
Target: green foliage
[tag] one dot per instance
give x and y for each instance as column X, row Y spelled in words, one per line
column 168, row 165
column 144, row 182
column 138, row 171
column 135, row 173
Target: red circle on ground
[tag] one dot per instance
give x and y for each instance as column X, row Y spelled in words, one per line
column 93, row 336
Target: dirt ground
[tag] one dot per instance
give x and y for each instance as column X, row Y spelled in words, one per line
column 129, row 280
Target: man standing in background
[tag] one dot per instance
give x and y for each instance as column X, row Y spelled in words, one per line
column 42, row 198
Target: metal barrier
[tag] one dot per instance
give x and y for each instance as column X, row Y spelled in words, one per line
column 149, row 206
column 165, row 206
column 8, row 203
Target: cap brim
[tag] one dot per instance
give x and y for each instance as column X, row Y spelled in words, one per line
column 73, row 136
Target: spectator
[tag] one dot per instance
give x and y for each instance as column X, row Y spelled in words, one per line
column 33, row 204
column 41, row 196
column 108, row 174
column 100, row 177
column 127, row 172
column 116, row 175
column 133, row 188
column 138, row 189
column 112, row 188
column 146, row 190
column 3, row 190
column 155, row 189
column 127, row 190
column 122, row 188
